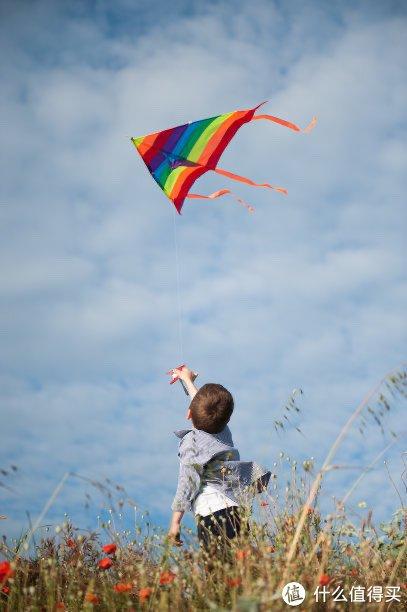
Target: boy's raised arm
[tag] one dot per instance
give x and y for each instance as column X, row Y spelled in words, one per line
column 188, row 376
column 188, row 479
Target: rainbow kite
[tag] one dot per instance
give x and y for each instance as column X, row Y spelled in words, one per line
column 177, row 157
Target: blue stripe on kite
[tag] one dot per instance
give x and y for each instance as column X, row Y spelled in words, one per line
column 166, row 145
column 160, row 170
column 191, row 128
column 174, row 137
column 156, row 161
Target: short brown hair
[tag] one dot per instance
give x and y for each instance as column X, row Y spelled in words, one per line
column 211, row 408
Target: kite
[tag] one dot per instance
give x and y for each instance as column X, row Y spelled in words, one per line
column 177, row 157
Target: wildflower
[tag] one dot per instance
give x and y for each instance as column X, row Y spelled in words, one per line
column 354, row 572
column 6, row 571
column 145, row 593
column 123, row 587
column 264, row 503
column 324, row 579
column 234, row 582
column 270, row 549
column 60, row 605
column 105, row 563
column 71, row 543
column 167, row 577
column 242, row 554
column 92, row 598
column 109, row 549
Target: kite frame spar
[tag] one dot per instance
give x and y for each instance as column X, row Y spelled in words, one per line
column 179, row 156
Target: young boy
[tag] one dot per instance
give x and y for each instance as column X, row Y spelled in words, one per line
column 212, row 480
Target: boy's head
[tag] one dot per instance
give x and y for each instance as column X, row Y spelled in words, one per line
column 211, row 408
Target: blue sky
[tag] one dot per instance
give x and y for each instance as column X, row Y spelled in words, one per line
column 308, row 292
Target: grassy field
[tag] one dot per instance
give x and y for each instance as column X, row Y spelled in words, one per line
column 341, row 563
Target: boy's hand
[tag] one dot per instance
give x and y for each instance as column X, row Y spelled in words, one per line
column 174, row 538
column 185, row 374
column 175, row 528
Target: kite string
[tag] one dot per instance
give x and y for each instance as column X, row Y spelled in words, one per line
column 179, row 305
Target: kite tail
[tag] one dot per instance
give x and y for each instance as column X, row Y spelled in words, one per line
column 241, row 179
column 218, row 194
column 288, row 124
column 247, row 181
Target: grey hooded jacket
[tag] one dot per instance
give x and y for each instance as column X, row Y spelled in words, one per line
column 212, row 459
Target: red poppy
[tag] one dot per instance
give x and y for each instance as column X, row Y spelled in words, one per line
column 105, row 563
column 234, row 582
column 242, row 554
column 5, row 590
column 324, row 579
column 71, row 543
column 145, row 593
column 167, row 577
column 6, row 571
column 92, row 598
column 109, row 549
column 264, row 503
column 354, row 572
column 123, row 587
column 60, row 606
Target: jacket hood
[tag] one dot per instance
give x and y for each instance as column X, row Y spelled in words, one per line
column 180, row 433
column 204, row 445
column 223, row 437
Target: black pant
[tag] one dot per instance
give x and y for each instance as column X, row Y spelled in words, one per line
column 224, row 523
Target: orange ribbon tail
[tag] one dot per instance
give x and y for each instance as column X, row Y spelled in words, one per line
column 288, row 124
column 218, row 194
column 240, row 179
column 212, row 196
column 247, row 181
